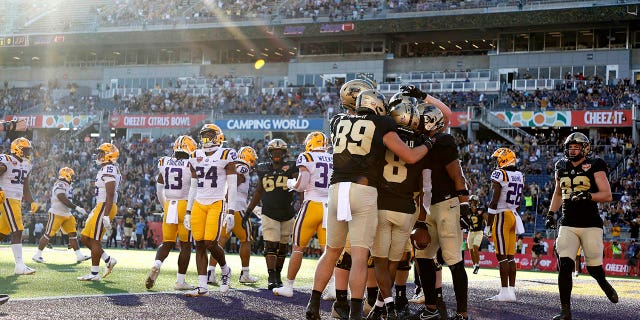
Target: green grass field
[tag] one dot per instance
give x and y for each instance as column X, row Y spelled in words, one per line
column 57, row 277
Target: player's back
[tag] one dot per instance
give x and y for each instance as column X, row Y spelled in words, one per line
column 320, row 167
column 512, row 182
column 105, row 174
column 12, row 180
column 177, row 177
column 211, row 173
column 57, row 207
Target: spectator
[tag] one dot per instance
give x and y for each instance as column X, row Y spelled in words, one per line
column 616, row 249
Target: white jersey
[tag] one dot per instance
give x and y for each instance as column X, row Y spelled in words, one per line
column 242, row 197
column 107, row 172
column 176, row 174
column 57, row 207
column 12, row 180
column 211, row 173
column 512, row 183
column 320, row 166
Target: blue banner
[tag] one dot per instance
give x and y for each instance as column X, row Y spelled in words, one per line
column 271, row 124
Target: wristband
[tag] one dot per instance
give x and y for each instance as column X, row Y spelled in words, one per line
column 463, row 192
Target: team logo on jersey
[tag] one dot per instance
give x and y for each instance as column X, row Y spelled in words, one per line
column 586, row 166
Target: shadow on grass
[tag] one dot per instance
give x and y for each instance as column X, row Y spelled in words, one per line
column 116, row 296
column 11, row 284
column 235, row 307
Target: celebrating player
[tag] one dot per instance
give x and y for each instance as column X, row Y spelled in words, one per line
column 476, row 226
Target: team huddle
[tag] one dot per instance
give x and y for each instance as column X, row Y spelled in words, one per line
column 385, row 190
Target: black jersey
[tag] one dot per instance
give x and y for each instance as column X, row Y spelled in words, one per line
column 399, row 179
column 476, row 218
column 584, row 213
column 358, row 149
column 277, row 199
column 444, row 151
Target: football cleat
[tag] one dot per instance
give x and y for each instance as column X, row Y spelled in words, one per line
column 211, row 277
column 329, row 293
column 417, row 298
column 512, row 293
column 376, row 313
column 83, row 258
column 246, row 278
column 112, row 263
column 4, row 298
column 476, row 268
column 225, row 279
column 183, row 286
column 312, row 313
column 284, row 291
column 340, row 310
column 458, row 317
column 426, row 314
column 90, row 277
column 23, row 269
column 152, row 276
column 38, row 259
column 366, row 307
column 503, row 297
column 611, row 293
column 196, row 292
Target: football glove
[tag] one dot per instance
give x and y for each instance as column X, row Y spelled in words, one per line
column 291, row 184
column 413, row 91
column 427, row 141
column 550, row 223
column 187, row 221
column 3, row 196
column 420, row 237
column 34, row 207
column 229, row 222
column 580, row 195
column 81, row 211
column 106, row 222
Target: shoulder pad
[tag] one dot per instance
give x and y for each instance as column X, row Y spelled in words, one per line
column 304, row 157
column 263, row 167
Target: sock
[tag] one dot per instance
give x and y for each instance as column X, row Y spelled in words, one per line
column 209, row 268
column 38, row 253
column 379, row 303
column 388, row 300
column 95, row 269
column 314, row 302
column 356, row 306
column 341, row 295
column 372, row 295
column 79, row 254
column 245, row 269
column 460, row 285
column 290, row 282
column 439, row 293
column 428, row 278
column 401, row 291
column 180, row 278
column 157, row 264
column 202, row 281
column 17, row 253
column 105, row 257
column 565, row 280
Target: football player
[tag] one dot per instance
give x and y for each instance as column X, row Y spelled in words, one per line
column 581, row 182
column 240, row 225
column 60, row 215
column 107, row 183
column 396, row 207
column 476, row 223
column 359, row 146
column 277, row 209
column 315, row 168
column 507, row 184
column 14, row 186
column 129, row 222
column 214, row 166
column 172, row 189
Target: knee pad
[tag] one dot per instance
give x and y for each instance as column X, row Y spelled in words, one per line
column 270, row 248
column 344, row 262
column 567, row 266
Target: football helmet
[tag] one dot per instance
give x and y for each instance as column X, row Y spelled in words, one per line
column 211, row 136
column 21, row 147
column 184, row 145
column 405, row 114
column 432, row 117
column 576, row 138
column 248, row 155
column 66, row 174
column 505, row 157
column 371, row 100
column 402, row 98
column 350, row 90
column 277, row 149
column 474, row 198
column 316, row 141
column 107, row 152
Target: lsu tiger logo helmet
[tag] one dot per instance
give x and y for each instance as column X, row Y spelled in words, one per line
column 211, row 136
column 505, row 157
column 248, row 155
column 21, row 148
column 405, row 114
column 432, row 118
column 580, row 139
column 66, row 174
column 107, row 152
column 350, row 90
column 184, row 147
column 277, row 149
column 316, row 141
column 372, row 100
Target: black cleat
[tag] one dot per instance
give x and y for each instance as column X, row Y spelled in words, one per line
column 376, row 313
column 459, row 317
column 426, row 314
column 476, row 269
column 391, row 311
column 611, row 293
column 442, row 308
column 340, row 310
column 312, row 313
column 403, row 312
column 565, row 314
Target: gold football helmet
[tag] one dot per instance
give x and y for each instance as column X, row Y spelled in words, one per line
column 577, row 138
column 107, row 152
column 371, row 100
column 21, row 148
column 66, row 174
column 505, row 157
column 350, row 90
column 405, row 115
column 185, row 145
column 432, row 117
column 248, row 155
column 211, row 136
column 277, row 149
column 316, row 141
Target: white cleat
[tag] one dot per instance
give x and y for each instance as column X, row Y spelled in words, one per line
column 417, row 298
column 284, row 291
column 502, row 298
column 512, row 294
column 181, row 286
column 246, row 278
column 83, row 258
column 112, row 263
column 23, row 269
column 152, row 276
column 4, row 298
column 38, row 259
column 211, row 277
column 90, row 277
column 225, row 279
column 196, row 292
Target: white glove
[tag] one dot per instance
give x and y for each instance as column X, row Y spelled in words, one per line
column 229, row 221
column 487, row 231
column 81, row 211
column 106, row 222
column 187, row 221
column 291, row 183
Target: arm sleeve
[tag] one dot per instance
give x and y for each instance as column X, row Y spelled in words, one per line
column 192, row 193
column 303, row 180
column 232, row 188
